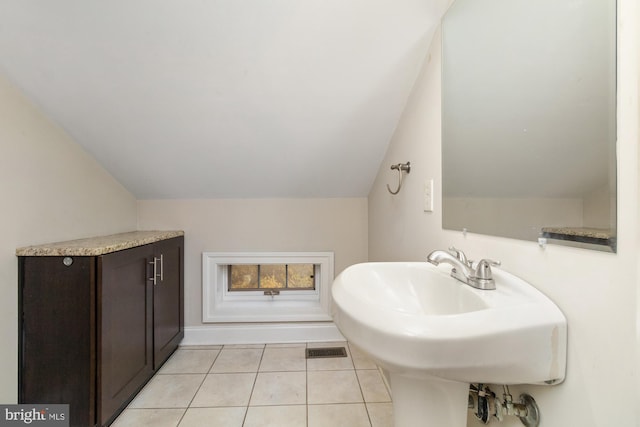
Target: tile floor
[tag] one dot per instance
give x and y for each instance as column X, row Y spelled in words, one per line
column 259, row 386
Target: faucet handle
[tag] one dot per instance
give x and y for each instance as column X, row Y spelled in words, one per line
column 459, row 254
column 483, row 269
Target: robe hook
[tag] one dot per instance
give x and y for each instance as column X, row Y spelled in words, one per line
column 400, row 167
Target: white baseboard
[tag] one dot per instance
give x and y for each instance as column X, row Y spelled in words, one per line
column 264, row 333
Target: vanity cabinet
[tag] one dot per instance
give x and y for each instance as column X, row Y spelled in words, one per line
column 98, row 320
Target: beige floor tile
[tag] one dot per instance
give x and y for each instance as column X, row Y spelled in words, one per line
column 214, row 417
column 345, row 415
column 380, row 414
column 276, row 416
column 360, row 359
column 188, row 361
column 260, row 385
column 168, row 391
column 148, row 418
column 225, row 390
column 283, row 359
column 279, row 388
column 293, row 344
column 333, row 387
column 373, row 388
column 201, row 347
column 237, row 360
column 237, row 346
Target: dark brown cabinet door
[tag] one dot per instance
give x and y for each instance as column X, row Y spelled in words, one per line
column 168, row 296
column 57, row 334
column 125, row 336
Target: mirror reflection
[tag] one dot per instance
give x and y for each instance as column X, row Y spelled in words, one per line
column 529, row 121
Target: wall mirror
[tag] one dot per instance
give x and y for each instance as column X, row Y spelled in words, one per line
column 529, row 120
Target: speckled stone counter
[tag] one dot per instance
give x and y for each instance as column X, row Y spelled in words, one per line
column 594, row 233
column 595, row 236
column 98, row 245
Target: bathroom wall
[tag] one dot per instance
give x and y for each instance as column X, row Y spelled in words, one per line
column 500, row 216
column 596, row 208
column 51, row 190
column 507, row 216
column 597, row 291
column 269, row 225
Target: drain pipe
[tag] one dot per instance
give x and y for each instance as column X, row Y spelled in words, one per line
column 485, row 405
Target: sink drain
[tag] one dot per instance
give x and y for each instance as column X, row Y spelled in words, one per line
column 316, row 353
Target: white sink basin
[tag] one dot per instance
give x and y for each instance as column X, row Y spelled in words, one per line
column 430, row 330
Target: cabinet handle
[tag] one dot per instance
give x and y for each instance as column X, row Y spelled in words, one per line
column 154, row 279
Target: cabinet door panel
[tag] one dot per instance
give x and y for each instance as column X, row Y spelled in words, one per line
column 168, row 300
column 125, row 335
column 57, row 335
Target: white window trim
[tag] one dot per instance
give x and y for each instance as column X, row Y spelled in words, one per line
column 221, row 306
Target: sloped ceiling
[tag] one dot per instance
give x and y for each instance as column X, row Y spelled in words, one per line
column 223, row 98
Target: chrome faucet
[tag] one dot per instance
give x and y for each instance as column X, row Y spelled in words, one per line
column 480, row 278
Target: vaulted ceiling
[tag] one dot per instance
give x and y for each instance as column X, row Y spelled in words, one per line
column 223, row 98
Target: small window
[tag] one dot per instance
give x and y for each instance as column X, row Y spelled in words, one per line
column 266, row 286
column 282, row 277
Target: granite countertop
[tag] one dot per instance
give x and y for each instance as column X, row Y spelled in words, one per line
column 98, row 245
column 594, row 233
column 602, row 237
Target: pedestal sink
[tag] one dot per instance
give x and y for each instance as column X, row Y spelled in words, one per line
column 435, row 335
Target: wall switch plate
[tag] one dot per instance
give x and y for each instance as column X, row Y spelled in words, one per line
column 428, row 195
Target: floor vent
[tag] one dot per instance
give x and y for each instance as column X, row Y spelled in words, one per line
column 316, row 353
